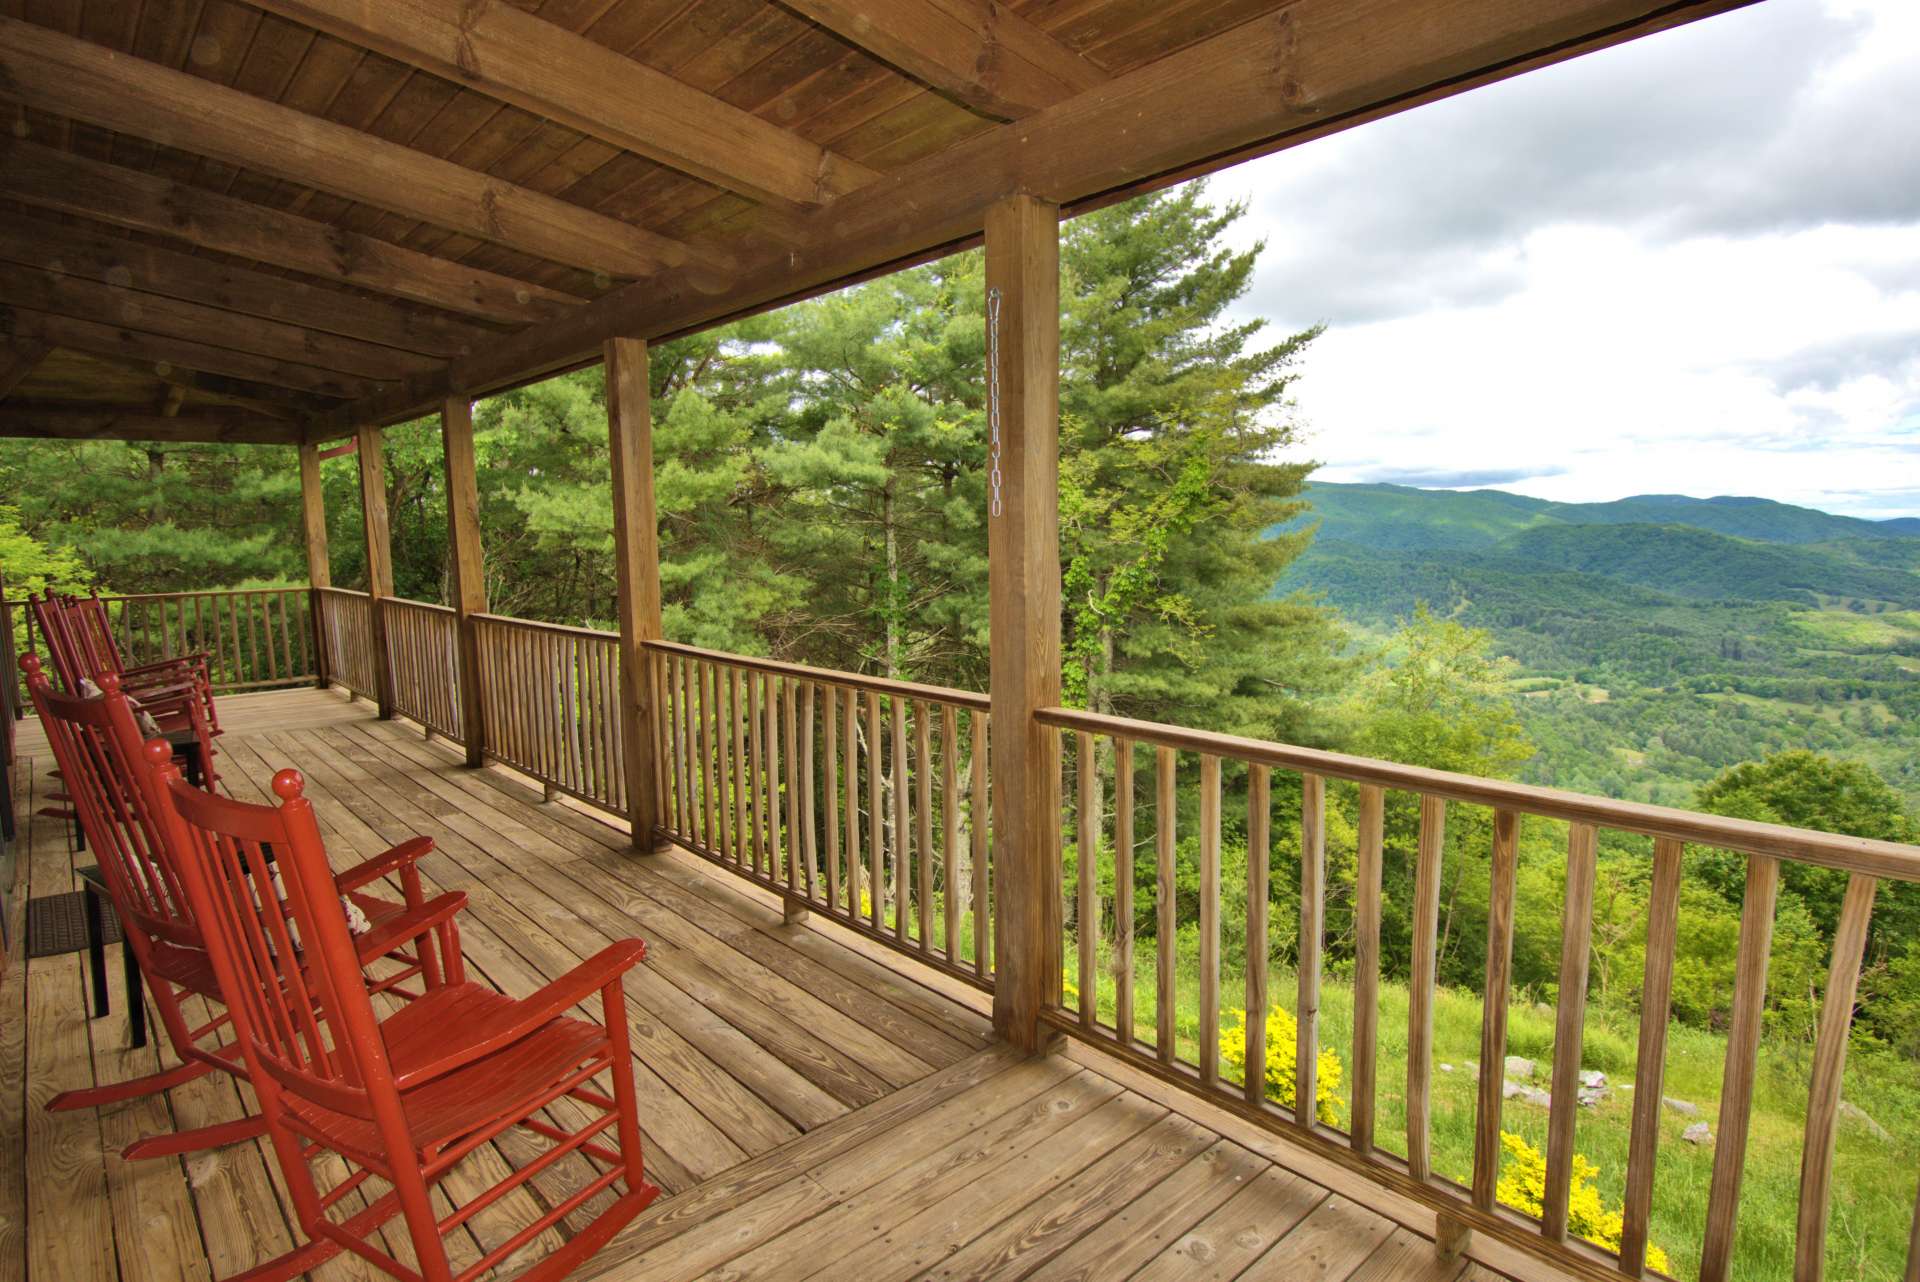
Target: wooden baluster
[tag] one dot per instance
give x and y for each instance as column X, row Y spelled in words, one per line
column 1313, row 929
column 776, row 843
column 279, row 602
column 656, row 719
column 1426, row 937
column 1370, row 837
column 796, row 880
column 1259, row 897
column 1123, row 1017
column 923, row 821
column 950, row 861
column 1087, row 910
column 810, row 854
column 830, row 789
column 850, row 735
column 1569, row 1023
column 1493, row 1008
column 902, row 835
column 876, row 825
column 1656, row 991
column 1165, row 820
column 1829, row 1065
column 264, row 603
column 979, row 732
column 682, row 796
column 743, row 841
column 756, row 765
column 1210, row 919
column 723, row 730
column 1742, row 1063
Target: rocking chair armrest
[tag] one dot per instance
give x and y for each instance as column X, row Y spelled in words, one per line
column 407, row 852
column 483, row 1038
column 169, row 664
column 163, row 688
column 411, row 924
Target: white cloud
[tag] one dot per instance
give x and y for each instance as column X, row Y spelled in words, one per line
column 1576, row 280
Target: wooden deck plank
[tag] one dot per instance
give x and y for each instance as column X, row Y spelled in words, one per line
column 1326, row 1246
column 1231, row 1238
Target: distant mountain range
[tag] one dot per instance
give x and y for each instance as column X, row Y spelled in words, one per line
column 1380, row 548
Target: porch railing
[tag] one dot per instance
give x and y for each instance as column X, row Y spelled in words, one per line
column 1132, row 777
column 868, row 800
column 859, row 797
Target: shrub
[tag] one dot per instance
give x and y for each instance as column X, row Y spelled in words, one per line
column 1523, row 1186
column 1281, row 1035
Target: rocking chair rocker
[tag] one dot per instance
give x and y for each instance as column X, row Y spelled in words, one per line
column 403, row 1098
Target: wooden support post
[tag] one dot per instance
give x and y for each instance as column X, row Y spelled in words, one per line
column 636, row 557
column 313, row 523
column 469, row 567
column 1023, row 549
column 373, row 516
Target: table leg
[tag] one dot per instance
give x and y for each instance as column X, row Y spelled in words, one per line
column 136, row 1003
column 96, row 951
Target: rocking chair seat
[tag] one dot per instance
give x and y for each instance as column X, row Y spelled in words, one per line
column 468, row 1098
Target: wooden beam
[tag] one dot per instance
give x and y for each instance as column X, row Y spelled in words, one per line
column 103, row 304
column 373, row 521
column 636, row 559
column 166, row 356
column 1310, row 69
column 72, row 423
column 313, row 526
column 59, row 180
column 117, row 260
column 550, row 71
column 275, row 402
column 978, row 52
column 92, row 83
column 469, row 568
column 1023, row 575
column 18, row 357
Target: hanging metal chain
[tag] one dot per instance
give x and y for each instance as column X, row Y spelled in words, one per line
column 993, row 398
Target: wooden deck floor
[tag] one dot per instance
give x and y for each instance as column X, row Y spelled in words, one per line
column 811, row 1105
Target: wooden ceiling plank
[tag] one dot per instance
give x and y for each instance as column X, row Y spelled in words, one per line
column 124, row 197
column 77, row 296
column 275, row 402
column 18, row 358
column 153, row 349
column 546, row 69
column 92, row 83
column 980, row 53
column 202, row 425
column 1312, row 68
column 115, row 260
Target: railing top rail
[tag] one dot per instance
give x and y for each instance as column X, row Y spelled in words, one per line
column 409, row 603
column 535, row 625
column 832, row 676
column 200, row 592
column 1802, row 845
column 344, row 592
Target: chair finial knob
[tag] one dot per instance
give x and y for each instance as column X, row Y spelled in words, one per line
column 159, row 752
column 289, row 783
column 110, row 682
column 30, row 664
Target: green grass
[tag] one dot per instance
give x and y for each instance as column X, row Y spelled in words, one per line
column 1874, row 1182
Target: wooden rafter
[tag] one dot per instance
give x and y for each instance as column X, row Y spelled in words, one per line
column 1312, row 68
column 978, row 52
column 113, row 340
column 91, row 83
column 511, row 55
column 105, row 304
column 275, row 402
column 18, row 358
column 116, row 260
column 86, row 423
column 57, row 180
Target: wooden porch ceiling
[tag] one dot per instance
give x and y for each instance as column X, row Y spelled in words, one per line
column 279, row 220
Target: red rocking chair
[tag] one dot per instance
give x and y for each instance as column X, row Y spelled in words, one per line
column 404, row 1098
column 103, row 764
column 178, row 690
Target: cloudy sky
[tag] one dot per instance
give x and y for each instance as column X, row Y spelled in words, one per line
column 1690, row 264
